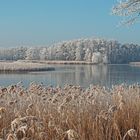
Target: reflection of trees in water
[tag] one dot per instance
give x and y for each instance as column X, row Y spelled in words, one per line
column 123, row 74
column 63, row 78
column 99, row 74
column 104, row 75
column 83, row 75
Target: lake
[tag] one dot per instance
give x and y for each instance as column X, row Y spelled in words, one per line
column 83, row 75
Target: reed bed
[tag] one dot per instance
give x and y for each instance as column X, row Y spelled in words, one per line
column 23, row 66
column 70, row 113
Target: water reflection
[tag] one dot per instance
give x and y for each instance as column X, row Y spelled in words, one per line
column 84, row 75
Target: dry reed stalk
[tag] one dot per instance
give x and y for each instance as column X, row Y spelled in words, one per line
column 97, row 113
column 132, row 133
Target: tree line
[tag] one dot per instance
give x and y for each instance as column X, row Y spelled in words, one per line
column 90, row 50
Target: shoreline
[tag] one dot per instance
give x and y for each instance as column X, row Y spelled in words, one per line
column 135, row 63
column 64, row 62
column 58, row 62
column 41, row 65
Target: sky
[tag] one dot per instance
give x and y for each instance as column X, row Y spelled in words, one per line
column 44, row 22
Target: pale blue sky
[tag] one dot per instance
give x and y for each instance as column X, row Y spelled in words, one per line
column 42, row 22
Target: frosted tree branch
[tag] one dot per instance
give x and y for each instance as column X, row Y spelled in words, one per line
column 129, row 9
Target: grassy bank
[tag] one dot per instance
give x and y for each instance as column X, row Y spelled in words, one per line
column 69, row 113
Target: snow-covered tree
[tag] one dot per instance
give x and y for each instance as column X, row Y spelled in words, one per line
column 88, row 55
column 79, row 53
column 129, row 9
column 90, row 50
column 19, row 53
column 43, row 53
column 12, row 53
column 33, row 54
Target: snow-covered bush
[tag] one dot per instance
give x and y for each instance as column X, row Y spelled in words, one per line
column 104, row 59
column 97, row 58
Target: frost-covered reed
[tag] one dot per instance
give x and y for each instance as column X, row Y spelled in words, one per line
column 70, row 113
column 22, row 66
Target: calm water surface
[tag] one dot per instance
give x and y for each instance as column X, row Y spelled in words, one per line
column 83, row 75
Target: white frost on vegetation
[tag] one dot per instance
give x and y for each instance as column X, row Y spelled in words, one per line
column 22, row 66
column 88, row 50
column 129, row 9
